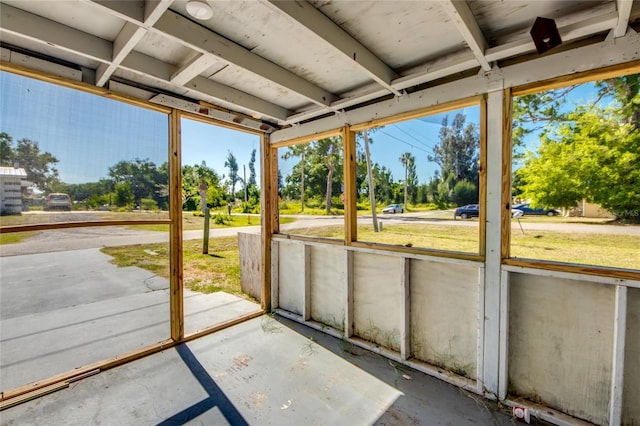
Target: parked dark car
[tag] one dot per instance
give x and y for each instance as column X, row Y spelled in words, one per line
column 470, row 210
column 526, row 209
column 57, row 201
column 393, row 208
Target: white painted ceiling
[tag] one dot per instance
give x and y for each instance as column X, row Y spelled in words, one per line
column 285, row 62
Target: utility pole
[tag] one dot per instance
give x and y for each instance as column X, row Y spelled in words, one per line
column 372, row 190
column 302, row 182
column 244, row 181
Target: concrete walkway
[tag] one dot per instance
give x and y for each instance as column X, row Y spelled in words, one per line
column 261, row 372
column 64, row 310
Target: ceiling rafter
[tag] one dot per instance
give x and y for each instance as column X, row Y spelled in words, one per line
column 624, row 12
column 465, row 61
column 206, row 41
column 466, row 23
column 316, row 22
column 161, row 71
column 193, row 68
column 45, row 31
column 130, row 34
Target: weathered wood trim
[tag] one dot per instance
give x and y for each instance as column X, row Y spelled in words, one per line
column 632, row 67
column 349, row 317
column 503, row 374
column 268, row 217
column 388, row 249
column 495, row 128
column 275, row 279
column 219, row 123
column 222, row 325
column 617, row 372
column 405, row 310
column 507, row 152
column 64, row 225
column 480, row 331
column 305, row 139
column 70, row 376
column 306, row 306
column 482, row 190
column 85, row 87
column 176, row 291
column 434, row 109
column 598, row 274
column 275, row 210
column 349, row 194
column 307, row 239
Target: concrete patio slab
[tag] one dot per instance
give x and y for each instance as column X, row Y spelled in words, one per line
column 263, row 371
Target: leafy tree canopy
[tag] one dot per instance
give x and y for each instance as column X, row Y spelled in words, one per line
column 40, row 166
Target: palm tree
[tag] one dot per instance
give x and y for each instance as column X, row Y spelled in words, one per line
column 406, row 159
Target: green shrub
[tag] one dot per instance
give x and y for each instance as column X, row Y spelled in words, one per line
column 148, row 204
column 221, row 219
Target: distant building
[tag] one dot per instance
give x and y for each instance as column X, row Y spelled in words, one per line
column 11, row 181
column 592, row 210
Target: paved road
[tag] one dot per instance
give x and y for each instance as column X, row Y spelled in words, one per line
column 97, row 237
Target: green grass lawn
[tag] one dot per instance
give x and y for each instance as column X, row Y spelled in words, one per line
column 619, row 251
column 15, row 237
column 220, row 270
column 207, row 273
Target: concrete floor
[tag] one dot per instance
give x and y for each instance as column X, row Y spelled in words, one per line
column 264, row 371
column 68, row 309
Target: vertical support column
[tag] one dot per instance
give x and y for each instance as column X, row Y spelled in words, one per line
column 405, row 326
column 503, row 376
column 349, row 170
column 275, row 295
column 348, row 300
column 493, row 243
column 617, row 372
column 176, row 299
column 269, row 219
column 306, row 307
column 480, row 341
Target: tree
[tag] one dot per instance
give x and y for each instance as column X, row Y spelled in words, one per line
column 585, row 152
column 412, row 179
column 26, row 153
column 458, row 148
column 232, row 164
column 298, row 151
column 594, row 156
column 252, row 168
column 464, row 192
column 329, row 150
column 406, row 159
column 145, row 178
column 192, row 176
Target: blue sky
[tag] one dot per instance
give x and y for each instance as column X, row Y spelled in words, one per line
column 89, row 133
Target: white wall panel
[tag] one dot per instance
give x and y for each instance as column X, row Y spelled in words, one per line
column 291, row 276
column 444, row 318
column 561, row 344
column 377, row 299
column 328, row 285
column 631, row 400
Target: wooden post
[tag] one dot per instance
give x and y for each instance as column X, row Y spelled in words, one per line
column 176, row 300
column 349, row 171
column 269, row 213
column 205, row 239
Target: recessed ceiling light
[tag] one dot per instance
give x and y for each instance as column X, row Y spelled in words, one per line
column 199, row 9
